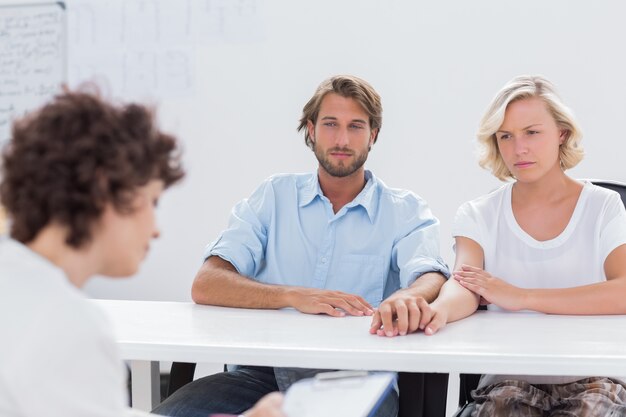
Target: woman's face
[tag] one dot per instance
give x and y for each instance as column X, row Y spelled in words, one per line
column 529, row 140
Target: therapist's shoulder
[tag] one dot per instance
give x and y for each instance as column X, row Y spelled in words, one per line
column 80, row 315
column 33, row 292
column 56, row 320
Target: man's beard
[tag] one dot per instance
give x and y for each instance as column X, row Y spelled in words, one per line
column 340, row 170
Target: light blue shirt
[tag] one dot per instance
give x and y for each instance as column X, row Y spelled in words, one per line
column 286, row 233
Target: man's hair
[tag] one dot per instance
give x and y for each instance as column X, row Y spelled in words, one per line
column 519, row 88
column 347, row 86
column 70, row 158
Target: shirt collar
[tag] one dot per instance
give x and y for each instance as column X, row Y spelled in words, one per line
column 366, row 198
column 309, row 190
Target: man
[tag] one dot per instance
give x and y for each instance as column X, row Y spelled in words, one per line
column 336, row 242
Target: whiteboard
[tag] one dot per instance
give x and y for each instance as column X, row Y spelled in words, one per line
column 32, row 58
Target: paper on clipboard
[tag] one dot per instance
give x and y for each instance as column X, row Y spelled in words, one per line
column 343, row 393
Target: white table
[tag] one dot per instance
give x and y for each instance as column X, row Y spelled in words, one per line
column 486, row 342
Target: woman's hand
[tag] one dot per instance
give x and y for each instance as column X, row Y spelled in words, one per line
column 492, row 289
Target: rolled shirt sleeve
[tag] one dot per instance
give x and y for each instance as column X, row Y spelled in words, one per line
column 417, row 252
column 247, row 227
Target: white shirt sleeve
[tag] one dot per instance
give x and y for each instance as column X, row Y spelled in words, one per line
column 244, row 241
column 613, row 232
column 467, row 223
column 68, row 366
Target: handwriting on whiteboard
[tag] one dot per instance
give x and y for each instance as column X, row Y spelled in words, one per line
column 32, row 59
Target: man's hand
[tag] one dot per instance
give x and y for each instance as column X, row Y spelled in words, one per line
column 400, row 314
column 268, row 406
column 333, row 303
column 492, row 289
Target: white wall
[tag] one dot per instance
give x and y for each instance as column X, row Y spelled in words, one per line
column 230, row 78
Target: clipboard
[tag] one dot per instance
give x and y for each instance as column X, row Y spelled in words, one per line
column 341, row 393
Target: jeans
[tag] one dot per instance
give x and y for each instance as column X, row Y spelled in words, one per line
column 235, row 392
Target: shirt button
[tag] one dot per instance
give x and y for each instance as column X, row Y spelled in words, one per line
column 324, row 260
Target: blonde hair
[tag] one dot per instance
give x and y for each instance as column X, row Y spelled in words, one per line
column 520, row 88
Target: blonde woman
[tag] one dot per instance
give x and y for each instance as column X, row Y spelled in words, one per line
column 543, row 242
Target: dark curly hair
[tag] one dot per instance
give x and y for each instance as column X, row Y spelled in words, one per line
column 70, row 158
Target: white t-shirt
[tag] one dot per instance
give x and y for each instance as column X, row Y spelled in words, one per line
column 58, row 357
column 573, row 258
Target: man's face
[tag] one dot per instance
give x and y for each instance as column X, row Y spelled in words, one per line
column 342, row 135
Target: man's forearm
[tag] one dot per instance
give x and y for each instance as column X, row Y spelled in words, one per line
column 219, row 283
column 427, row 286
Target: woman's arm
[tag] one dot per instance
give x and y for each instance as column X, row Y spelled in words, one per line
column 454, row 301
column 607, row 297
